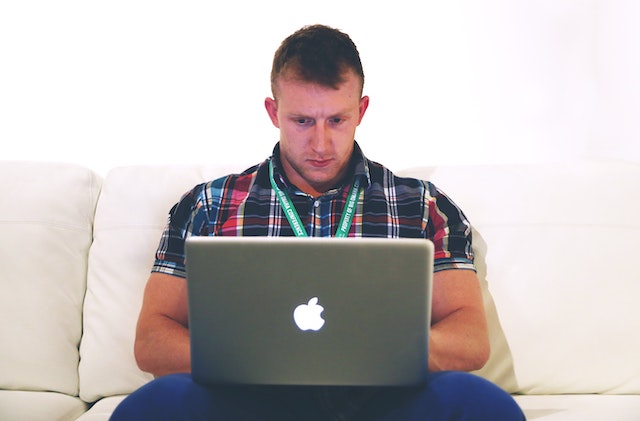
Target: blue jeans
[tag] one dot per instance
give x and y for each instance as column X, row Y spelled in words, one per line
column 447, row 396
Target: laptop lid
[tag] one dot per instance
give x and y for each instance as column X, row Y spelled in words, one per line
column 309, row 311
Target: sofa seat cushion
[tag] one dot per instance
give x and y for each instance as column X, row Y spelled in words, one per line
column 535, row 407
column 580, row 407
column 102, row 409
column 38, row 406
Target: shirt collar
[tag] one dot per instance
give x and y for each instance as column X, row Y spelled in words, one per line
column 359, row 163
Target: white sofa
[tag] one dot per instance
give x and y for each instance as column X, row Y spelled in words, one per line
column 557, row 246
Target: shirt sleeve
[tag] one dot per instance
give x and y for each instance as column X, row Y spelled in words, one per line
column 186, row 218
column 449, row 230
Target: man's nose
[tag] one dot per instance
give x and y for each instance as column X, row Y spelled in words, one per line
column 321, row 137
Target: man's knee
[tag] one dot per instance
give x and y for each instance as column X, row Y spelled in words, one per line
column 155, row 400
column 473, row 397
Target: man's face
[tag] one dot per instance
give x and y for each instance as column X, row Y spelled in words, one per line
column 317, row 129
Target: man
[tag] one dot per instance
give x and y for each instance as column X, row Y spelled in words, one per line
column 317, row 84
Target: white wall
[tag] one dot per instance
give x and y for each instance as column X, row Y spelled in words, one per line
column 131, row 81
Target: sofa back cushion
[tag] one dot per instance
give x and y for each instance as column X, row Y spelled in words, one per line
column 131, row 214
column 557, row 245
column 46, row 216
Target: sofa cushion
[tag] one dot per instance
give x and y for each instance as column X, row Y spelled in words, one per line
column 46, row 215
column 38, row 406
column 557, row 246
column 130, row 217
column 580, row 407
column 102, row 409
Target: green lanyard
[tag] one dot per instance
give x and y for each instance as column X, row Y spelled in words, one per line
column 294, row 219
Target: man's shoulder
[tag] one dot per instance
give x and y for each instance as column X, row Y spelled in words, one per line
column 382, row 175
column 230, row 182
column 216, row 189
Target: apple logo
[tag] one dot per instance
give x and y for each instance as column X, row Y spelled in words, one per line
column 307, row 316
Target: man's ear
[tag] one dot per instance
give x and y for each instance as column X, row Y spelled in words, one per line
column 272, row 109
column 364, row 104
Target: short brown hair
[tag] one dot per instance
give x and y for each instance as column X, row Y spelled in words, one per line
column 317, row 54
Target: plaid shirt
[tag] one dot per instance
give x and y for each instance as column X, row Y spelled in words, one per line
column 389, row 206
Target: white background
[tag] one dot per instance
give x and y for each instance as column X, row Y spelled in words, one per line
column 108, row 83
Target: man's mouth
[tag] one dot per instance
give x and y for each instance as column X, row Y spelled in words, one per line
column 320, row 163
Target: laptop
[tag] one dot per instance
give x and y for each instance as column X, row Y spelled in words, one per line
column 309, row 311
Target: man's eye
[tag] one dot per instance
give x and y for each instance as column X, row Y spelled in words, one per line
column 302, row 121
column 336, row 120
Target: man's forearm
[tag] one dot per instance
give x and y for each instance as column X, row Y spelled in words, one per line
column 163, row 348
column 459, row 342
